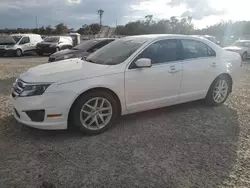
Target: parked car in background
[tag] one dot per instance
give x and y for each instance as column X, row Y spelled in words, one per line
column 81, row 50
column 18, row 44
column 54, row 44
column 211, row 38
column 129, row 75
column 242, row 47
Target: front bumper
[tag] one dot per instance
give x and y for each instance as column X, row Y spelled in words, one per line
column 46, row 49
column 51, row 103
column 5, row 52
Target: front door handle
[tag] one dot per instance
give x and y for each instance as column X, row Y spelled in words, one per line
column 173, row 70
column 214, row 64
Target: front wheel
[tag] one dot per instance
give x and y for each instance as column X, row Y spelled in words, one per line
column 94, row 112
column 19, row 53
column 39, row 53
column 219, row 91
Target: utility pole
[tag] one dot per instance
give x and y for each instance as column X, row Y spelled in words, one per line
column 36, row 22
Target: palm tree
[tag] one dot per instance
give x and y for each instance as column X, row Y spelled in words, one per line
column 100, row 13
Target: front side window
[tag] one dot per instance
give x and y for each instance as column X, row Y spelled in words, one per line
column 162, row 51
column 25, row 40
column 196, row 49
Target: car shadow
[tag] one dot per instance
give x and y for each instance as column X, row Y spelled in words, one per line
column 187, row 145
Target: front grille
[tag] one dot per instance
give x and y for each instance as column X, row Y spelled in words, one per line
column 43, row 45
column 18, row 87
column 51, row 59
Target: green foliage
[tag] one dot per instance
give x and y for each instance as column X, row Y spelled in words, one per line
column 150, row 26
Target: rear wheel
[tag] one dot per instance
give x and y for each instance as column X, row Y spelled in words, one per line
column 19, row 53
column 219, row 91
column 244, row 56
column 94, row 112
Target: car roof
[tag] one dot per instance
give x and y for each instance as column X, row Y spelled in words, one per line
column 104, row 39
column 164, row 36
column 243, row 41
column 25, row 34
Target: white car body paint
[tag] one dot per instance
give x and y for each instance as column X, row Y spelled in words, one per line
column 137, row 89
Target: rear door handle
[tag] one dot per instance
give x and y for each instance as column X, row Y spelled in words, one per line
column 214, row 64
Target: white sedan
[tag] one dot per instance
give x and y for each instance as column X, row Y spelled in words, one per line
column 129, row 75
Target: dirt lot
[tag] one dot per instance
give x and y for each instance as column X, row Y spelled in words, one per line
column 188, row 145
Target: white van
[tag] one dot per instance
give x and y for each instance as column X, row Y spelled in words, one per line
column 23, row 43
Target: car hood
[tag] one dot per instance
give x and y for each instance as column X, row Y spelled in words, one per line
column 63, row 52
column 63, row 71
column 69, row 52
column 236, row 48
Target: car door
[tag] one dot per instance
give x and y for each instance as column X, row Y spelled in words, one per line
column 158, row 85
column 200, row 67
column 25, row 44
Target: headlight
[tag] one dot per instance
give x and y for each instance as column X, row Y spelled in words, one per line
column 9, row 46
column 68, row 56
column 52, row 45
column 32, row 90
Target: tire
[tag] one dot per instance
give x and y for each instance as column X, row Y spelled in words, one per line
column 213, row 91
column 19, row 53
column 244, row 56
column 39, row 53
column 77, row 116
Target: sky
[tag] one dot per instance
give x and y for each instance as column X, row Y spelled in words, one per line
column 75, row 13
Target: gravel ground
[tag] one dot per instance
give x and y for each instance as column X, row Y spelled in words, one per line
column 188, row 145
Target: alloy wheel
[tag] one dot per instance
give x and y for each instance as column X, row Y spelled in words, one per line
column 220, row 91
column 96, row 113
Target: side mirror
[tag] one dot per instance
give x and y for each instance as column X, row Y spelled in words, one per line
column 143, row 63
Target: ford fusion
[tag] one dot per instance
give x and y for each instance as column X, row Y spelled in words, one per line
column 129, row 75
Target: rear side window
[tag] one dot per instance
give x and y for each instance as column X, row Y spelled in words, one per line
column 162, row 51
column 196, row 49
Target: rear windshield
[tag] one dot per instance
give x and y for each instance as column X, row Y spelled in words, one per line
column 52, row 39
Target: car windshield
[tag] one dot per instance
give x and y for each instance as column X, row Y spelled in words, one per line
column 116, row 52
column 6, row 40
column 17, row 38
column 51, row 39
column 86, row 45
column 241, row 44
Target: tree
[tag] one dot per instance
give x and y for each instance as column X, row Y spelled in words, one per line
column 94, row 28
column 100, row 13
column 61, row 28
column 49, row 30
